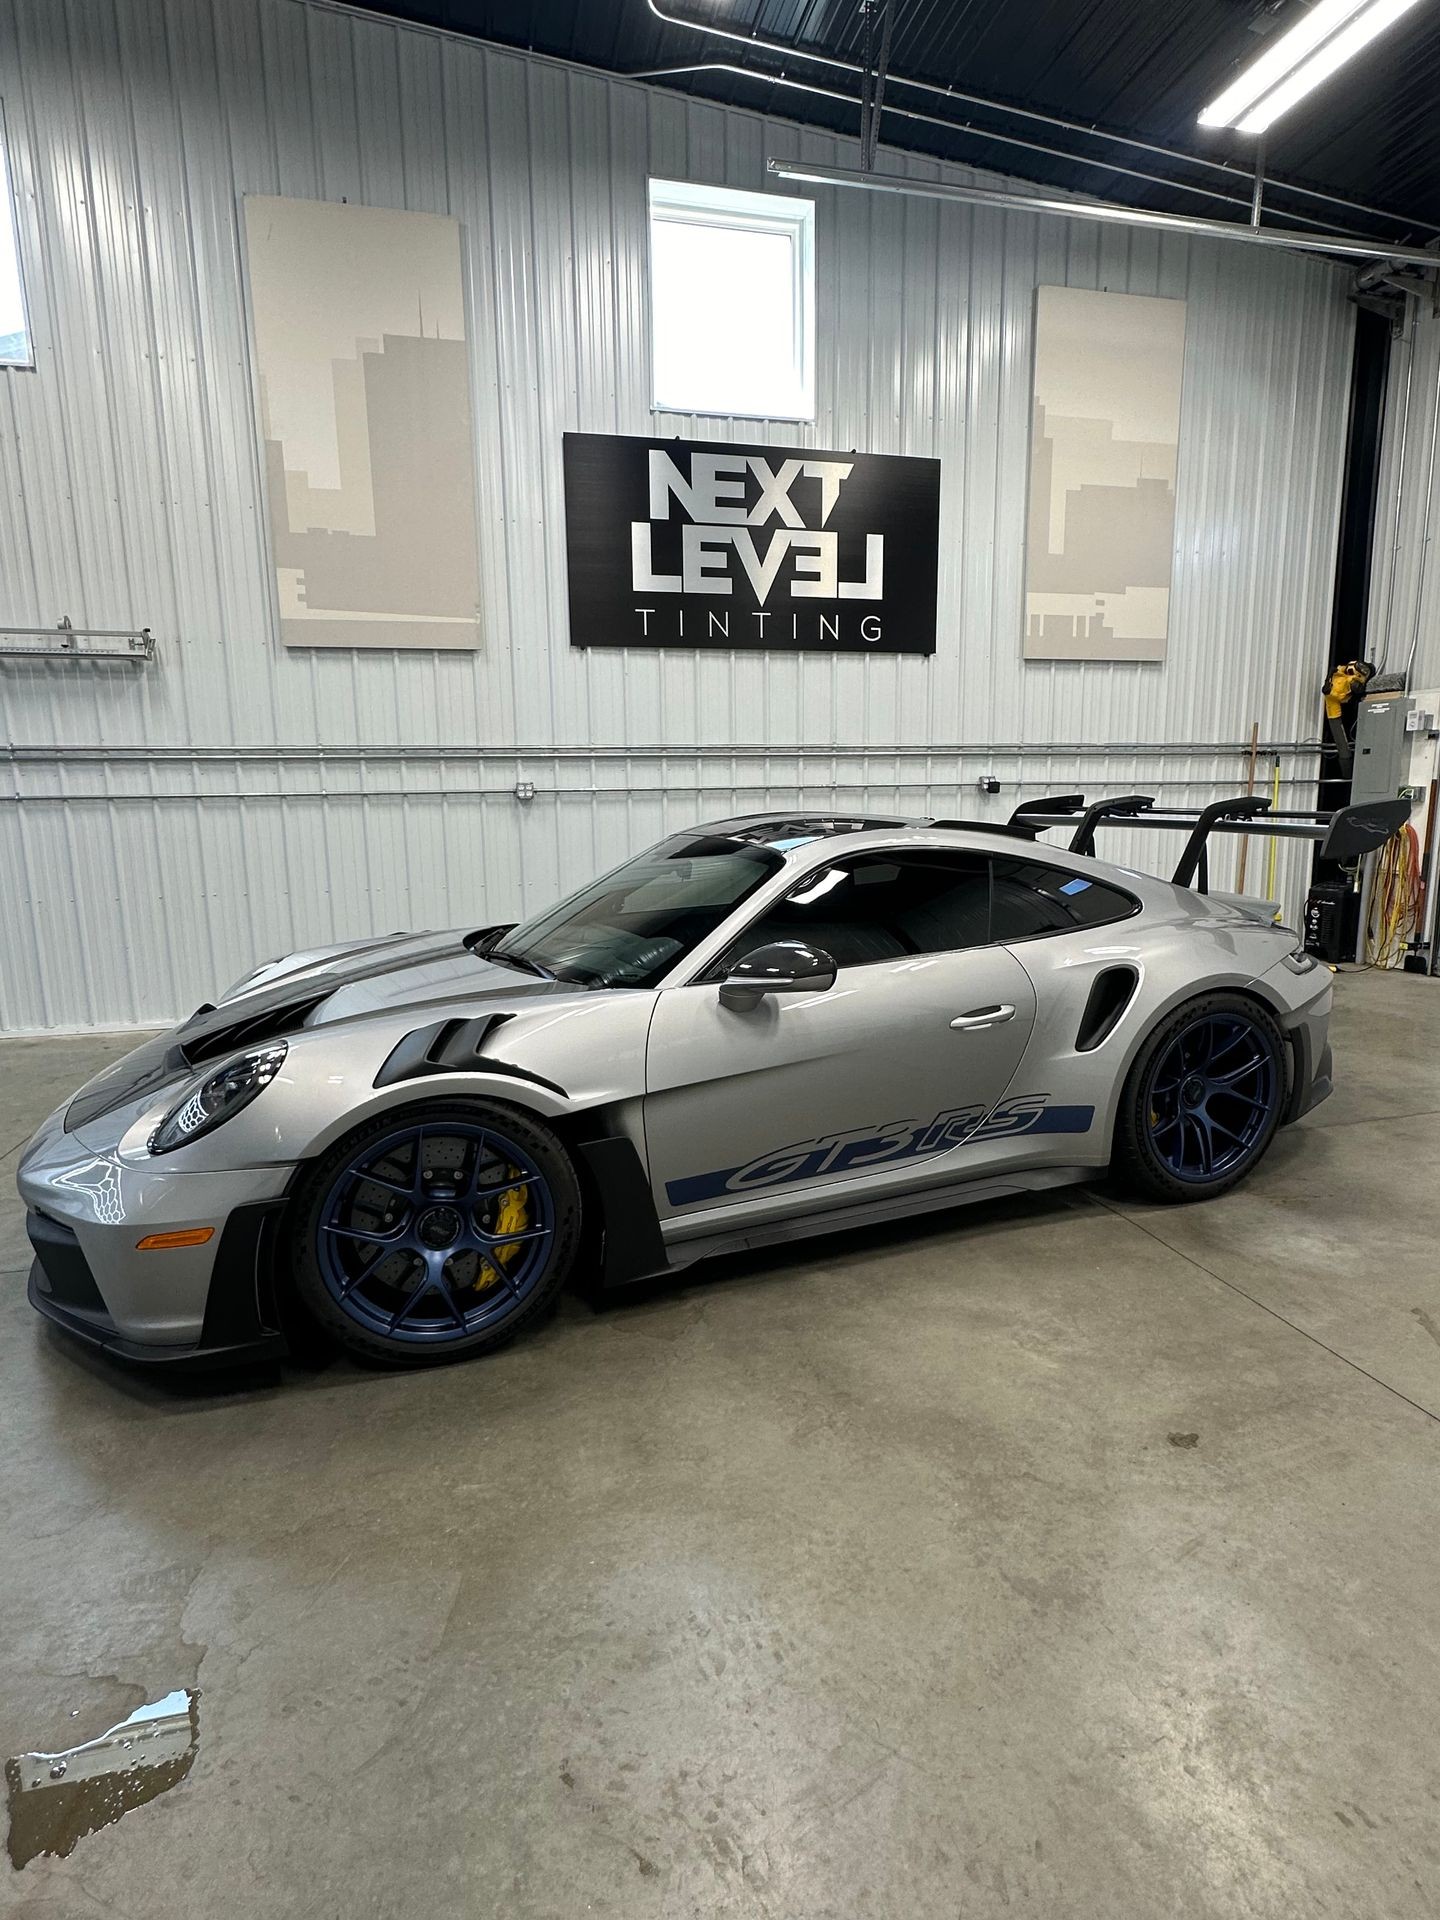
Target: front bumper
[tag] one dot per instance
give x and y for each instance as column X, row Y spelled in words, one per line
column 240, row 1326
column 87, row 1210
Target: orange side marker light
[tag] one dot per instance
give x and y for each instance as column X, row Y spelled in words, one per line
column 185, row 1237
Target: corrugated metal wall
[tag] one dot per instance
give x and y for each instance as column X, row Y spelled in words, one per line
column 1405, row 591
column 162, row 828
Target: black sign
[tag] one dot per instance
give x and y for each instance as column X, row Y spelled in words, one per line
column 684, row 543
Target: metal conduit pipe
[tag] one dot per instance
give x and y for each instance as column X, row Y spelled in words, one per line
column 1420, row 563
column 454, row 795
column 1399, row 489
column 786, row 51
column 1106, row 211
column 830, row 750
column 962, row 127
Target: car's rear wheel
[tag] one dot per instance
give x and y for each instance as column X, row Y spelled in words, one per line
column 435, row 1232
column 1203, row 1099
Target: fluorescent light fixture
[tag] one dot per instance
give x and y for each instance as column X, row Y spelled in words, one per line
column 1331, row 33
column 1344, row 46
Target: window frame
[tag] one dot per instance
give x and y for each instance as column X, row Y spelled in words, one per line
column 1055, row 933
column 694, row 203
column 713, row 970
column 10, row 210
column 850, row 859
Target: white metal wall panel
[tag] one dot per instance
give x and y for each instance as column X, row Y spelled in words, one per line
column 162, row 828
column 1404, row 622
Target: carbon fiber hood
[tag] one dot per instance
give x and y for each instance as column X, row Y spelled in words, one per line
column 403, row 971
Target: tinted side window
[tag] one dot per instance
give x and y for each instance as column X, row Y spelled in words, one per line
column 1032, row 898
column 882, row 907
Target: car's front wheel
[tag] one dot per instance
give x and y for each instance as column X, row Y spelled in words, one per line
column 435, row 1232
column 1202, row 1100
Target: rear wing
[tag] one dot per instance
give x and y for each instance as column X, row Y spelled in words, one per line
column 1345, row 835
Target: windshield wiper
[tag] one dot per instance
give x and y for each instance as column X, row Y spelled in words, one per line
column 520, row 960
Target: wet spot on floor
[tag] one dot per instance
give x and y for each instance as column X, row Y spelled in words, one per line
column 57, row 1798
column 1183, row 1439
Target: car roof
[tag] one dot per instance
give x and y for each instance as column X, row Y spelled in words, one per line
column 798, row 839
column 783, row 830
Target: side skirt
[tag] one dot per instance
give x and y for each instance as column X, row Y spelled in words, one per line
column 718, row 1238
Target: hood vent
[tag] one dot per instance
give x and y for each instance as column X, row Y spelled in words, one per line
column 268, row 1023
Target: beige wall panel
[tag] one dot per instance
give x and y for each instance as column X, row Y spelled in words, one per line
column 1104, row 444
column 363, row 380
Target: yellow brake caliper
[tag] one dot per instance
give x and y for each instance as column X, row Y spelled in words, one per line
column 512, row 1216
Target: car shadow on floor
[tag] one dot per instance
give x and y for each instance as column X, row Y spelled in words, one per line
column 842, row 1247
column 160, row 1388
column 181, row 1391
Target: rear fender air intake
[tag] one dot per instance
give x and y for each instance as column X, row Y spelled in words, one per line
column 1110, row 994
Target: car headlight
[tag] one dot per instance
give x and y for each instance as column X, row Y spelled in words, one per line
column 218, row 1097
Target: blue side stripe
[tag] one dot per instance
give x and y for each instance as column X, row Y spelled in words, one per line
column 1007, row 1122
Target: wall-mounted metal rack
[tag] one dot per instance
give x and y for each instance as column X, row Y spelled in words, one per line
column 67, row 642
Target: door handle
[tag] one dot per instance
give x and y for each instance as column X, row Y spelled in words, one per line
column 981, row 1017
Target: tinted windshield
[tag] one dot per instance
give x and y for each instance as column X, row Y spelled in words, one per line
column 630, row 928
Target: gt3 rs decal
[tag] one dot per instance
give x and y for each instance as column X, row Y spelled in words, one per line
column 871, row 1146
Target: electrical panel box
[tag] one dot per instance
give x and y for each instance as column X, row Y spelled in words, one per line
column 1382, row 752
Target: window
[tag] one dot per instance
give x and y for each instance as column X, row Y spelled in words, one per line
column 732, row 302
column 883, row 906
column 15, row 349
column 1032, row 898
column 631, row 926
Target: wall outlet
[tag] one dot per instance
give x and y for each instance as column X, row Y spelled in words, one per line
column 987, row 783
column 524, row 789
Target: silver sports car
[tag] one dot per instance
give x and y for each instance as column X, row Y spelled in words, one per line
column 757, row 1030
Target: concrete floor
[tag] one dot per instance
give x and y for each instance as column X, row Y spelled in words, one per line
column 1047, row 1556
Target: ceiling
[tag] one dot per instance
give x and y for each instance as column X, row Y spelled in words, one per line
column 1141, row 68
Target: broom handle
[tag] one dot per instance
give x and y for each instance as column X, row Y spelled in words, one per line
column 1274, row 846
column 1244, row 855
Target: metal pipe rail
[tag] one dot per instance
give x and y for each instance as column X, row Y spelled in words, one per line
column 753, row 41
column 64, row 641
column 1104, row 211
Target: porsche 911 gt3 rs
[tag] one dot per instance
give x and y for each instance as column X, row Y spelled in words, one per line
column 756, row 1030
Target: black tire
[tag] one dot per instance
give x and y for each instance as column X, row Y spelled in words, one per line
column 442, row 1145
column 1161, row 1134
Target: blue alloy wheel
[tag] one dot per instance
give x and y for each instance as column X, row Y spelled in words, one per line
column 435, row 1232
column 1212, row 1095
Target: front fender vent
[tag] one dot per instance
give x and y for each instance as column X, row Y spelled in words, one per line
column 268, row 1023
column 1110, row 994
column 453, row 1046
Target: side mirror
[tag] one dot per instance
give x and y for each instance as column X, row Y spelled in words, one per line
column 786, row 966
